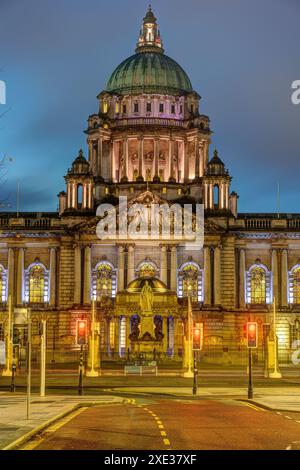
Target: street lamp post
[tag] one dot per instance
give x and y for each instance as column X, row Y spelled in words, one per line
column 189, row 373
column 276, row 374
column 92, row 372
column 28, row 362
column 250, row 382
column 9, row 347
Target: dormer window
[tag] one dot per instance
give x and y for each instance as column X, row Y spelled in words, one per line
column 117, row 107
column 172, row 108
column 124, row 109
column 105, row 107
column 161, row 107
column 192, row 108
column 148, row 107
column 136, row 107
column 181, row 109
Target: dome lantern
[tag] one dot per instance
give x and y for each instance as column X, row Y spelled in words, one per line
column 149, row 40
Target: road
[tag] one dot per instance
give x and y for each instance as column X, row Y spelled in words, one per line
column 172, row 424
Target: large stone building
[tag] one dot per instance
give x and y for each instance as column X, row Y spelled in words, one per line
column 149, row 141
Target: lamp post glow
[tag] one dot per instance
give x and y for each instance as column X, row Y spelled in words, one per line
column 276, row 374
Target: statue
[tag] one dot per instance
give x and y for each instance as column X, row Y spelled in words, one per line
column 146, row 298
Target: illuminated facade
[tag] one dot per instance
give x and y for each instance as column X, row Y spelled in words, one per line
column 149, row 141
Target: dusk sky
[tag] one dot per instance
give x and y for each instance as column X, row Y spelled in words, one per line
column 241, row 56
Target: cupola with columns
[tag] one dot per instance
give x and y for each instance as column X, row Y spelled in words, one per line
column 80, row 187
column 216, row 183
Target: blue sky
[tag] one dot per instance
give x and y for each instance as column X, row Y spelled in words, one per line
column 241, row 56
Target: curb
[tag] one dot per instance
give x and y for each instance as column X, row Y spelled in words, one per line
column 26, row 437
column 268, row 408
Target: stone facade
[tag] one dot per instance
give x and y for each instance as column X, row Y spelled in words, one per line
column 152, row 146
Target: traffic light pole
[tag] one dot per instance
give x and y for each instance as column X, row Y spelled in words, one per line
column 80, row 383
column 250, row 384
column 43, row 359
column 28, row 362
column 195, row 384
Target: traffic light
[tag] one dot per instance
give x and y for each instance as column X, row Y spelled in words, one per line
column 252, row 334
column 197, row 337
column 81, row 331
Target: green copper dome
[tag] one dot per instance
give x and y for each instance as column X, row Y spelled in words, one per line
column 149, row 72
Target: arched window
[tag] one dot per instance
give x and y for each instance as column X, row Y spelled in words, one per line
column 216, row 196
column 104, row 281
column 294, row 285
column 3, row 284
column 258, row 285
column 36, row 284
column 190, row 281
column 147, row 269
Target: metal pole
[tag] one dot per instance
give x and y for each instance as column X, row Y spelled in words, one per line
column 28, row 361
column 43, row 359
column 8, row 352
column 195, row 384
column 80, row 383
column 13, row 383
column 250, row 385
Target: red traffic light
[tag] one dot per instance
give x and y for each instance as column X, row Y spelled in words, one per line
column 197, row 336
column 81, row 331
column 252, row 334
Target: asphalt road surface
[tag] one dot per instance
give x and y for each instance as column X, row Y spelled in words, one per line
column 160, row 424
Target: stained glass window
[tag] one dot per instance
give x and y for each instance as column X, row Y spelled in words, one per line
column 190, row 282
column 147, row 270
column 104, row 281
column 294, row 286
column 258, row 285
column 36, row 284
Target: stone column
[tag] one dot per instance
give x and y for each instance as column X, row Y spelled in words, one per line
column 201, row 160
column 11, row 274
column 284, row 278
column 77, row 275
column 217, row 275
column 211, row 196
column 120, row 267
column 87, row 276
column 156, row 157
column 171, row 153
column 206, row 153
column 275, row 275
column 173, row 283
column 242, row 272
column 164, row 264
column 186, row 161
column 52, row 299
column 141, row 156
column 207, row 276
column 126, row 155
column 20, row 277
column 197, row 162
column 99, row 156
column 130, row 264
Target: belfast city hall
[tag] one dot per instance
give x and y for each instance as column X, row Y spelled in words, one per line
column 149, row 142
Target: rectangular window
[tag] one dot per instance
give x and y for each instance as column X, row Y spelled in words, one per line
column 148, row 107
column 173, row 109
column 136, row 107
column 124, row 109
column 161, row 107
column 117, row 107
column 112, row 330
column 192, row 108
column 181, row 109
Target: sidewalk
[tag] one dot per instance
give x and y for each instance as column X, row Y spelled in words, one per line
column 279, row 399
column 13, row 422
